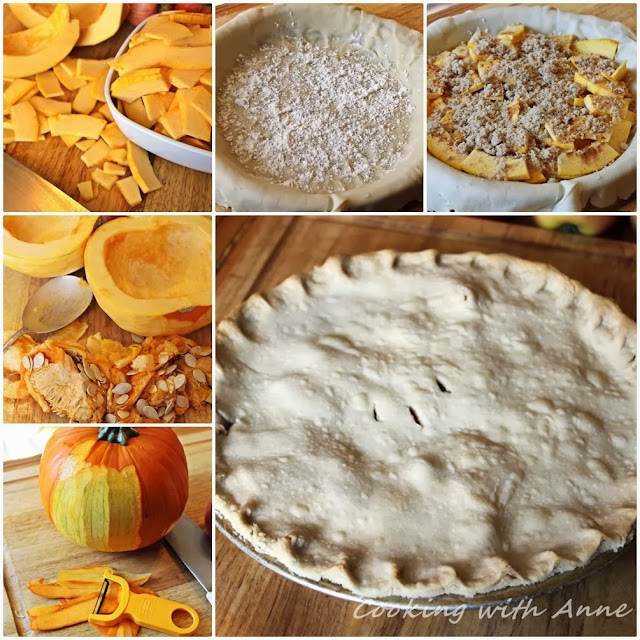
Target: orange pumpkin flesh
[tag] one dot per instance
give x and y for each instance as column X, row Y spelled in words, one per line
column 112, row 496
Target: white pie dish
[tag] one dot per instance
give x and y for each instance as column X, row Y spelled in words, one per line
column 451, row 190
column 394, row 44
column 156, row 143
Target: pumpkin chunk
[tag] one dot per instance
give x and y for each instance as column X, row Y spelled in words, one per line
column 114, row 169
column 134, row 85
column 83, row 102
column 157, row 54
column 88, row 69
column 77, row 124
column 112, row 135
column 86, row 189
column 50, row 107
column 129, row 190
column 49, row 85
column 25, row 122
column 103, row 179
column 17, row 90
column 141, row 168
column 95, row 154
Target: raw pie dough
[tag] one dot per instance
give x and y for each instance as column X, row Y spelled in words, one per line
column 418, row 424
column 319, row 107
column 452, row 190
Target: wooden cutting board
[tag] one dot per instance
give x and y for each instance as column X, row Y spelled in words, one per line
column 625, row 13
column 256, row 253
column 33, row 548
column 18, row 287
column 184, row 189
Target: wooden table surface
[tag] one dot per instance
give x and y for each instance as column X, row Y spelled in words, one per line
column 184, row 189
column 625, row 13
column 254, row 254
column 33, row 549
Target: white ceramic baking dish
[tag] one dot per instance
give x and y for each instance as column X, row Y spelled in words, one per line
column 156, row 143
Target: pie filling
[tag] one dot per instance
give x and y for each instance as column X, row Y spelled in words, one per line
column 527, row 106
column 323, row 119
column 418, row 424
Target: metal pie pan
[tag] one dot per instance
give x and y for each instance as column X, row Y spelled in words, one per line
column 498, row 597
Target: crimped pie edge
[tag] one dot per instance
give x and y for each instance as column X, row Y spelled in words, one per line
column 611, row 325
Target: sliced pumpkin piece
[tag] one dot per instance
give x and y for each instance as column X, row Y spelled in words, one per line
column 184, row 78
column 185, row 17
column 96, row 154
column 103, row 179
column 162, row 28
column 86, row 189
column 130, row 191
column 16, row 90
column 97, row 86
column 77, row 124
column 89, row 69
column 603, row 88
column 157, row 104
column 83, row 145
column 205, row 78
column 606, row 105
column 192, row 122
column 620, row 130
column 479, row 163
column 37, row 49
column 49, row 85
column 134, row 85
column 158, row 54
column 114, row 169
column 172, row 123
column 106, row 112
column 68, row 80
column 597, row 47
column 112, row 135
column 119, row 156
column 572, row 164
column 141, row 168
column 70, row 141
column 25, row 122
column 50, row 107
column 135, row 111
column 84, row 102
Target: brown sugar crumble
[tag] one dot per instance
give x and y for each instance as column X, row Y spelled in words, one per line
column 524, row 97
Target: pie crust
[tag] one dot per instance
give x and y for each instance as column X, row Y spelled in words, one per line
column 419, row 424
column 337, row 26
column 451, row 190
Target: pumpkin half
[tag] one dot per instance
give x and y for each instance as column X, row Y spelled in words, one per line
column 46, row 246
column 152, row 274
column 114, row 488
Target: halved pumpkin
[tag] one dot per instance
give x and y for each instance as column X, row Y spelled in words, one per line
column 39, row 48
column 46, row 246
column 152, row 274
column 98, row 22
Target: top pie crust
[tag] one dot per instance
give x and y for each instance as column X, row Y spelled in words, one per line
column 416, row 424
column 337, row 27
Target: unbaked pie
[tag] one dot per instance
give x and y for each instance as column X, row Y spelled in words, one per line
column 418, row 424
column 318, row 107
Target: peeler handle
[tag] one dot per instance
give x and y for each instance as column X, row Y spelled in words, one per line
column 156, row 613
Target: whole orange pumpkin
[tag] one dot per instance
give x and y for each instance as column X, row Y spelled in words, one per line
column 114, row 488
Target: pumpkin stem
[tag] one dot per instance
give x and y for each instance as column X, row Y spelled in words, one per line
column 119, row 435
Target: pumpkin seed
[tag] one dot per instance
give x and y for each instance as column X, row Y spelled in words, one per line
column 27, row 363
column 179, row 380
column 191, row 361
column 88, row 370
column 92, row 389
column 109, row 417
column 163, row 357
column 38, row 360
column 161, row 372
column 122, row 414
column 171, row 369
column 122, row 399
column 171, row 385
column 132, row 372
column 162, row 385
column 136, row 338
column 199, row 375
column 140, row 405
column 100, row 399
column 200, row 351
column 168, row 416
column 182, row 401
column 123, row 387
column 97, row 373
column 169, row 406
column 161, row 411
column 150, row 412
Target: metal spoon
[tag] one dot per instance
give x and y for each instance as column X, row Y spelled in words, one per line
column 53, row 306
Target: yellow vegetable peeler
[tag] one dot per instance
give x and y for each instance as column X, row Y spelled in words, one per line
column 145, row 610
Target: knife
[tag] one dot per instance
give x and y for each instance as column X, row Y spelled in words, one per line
column 194, row 548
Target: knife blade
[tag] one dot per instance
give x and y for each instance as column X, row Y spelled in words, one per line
column 194, row 548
